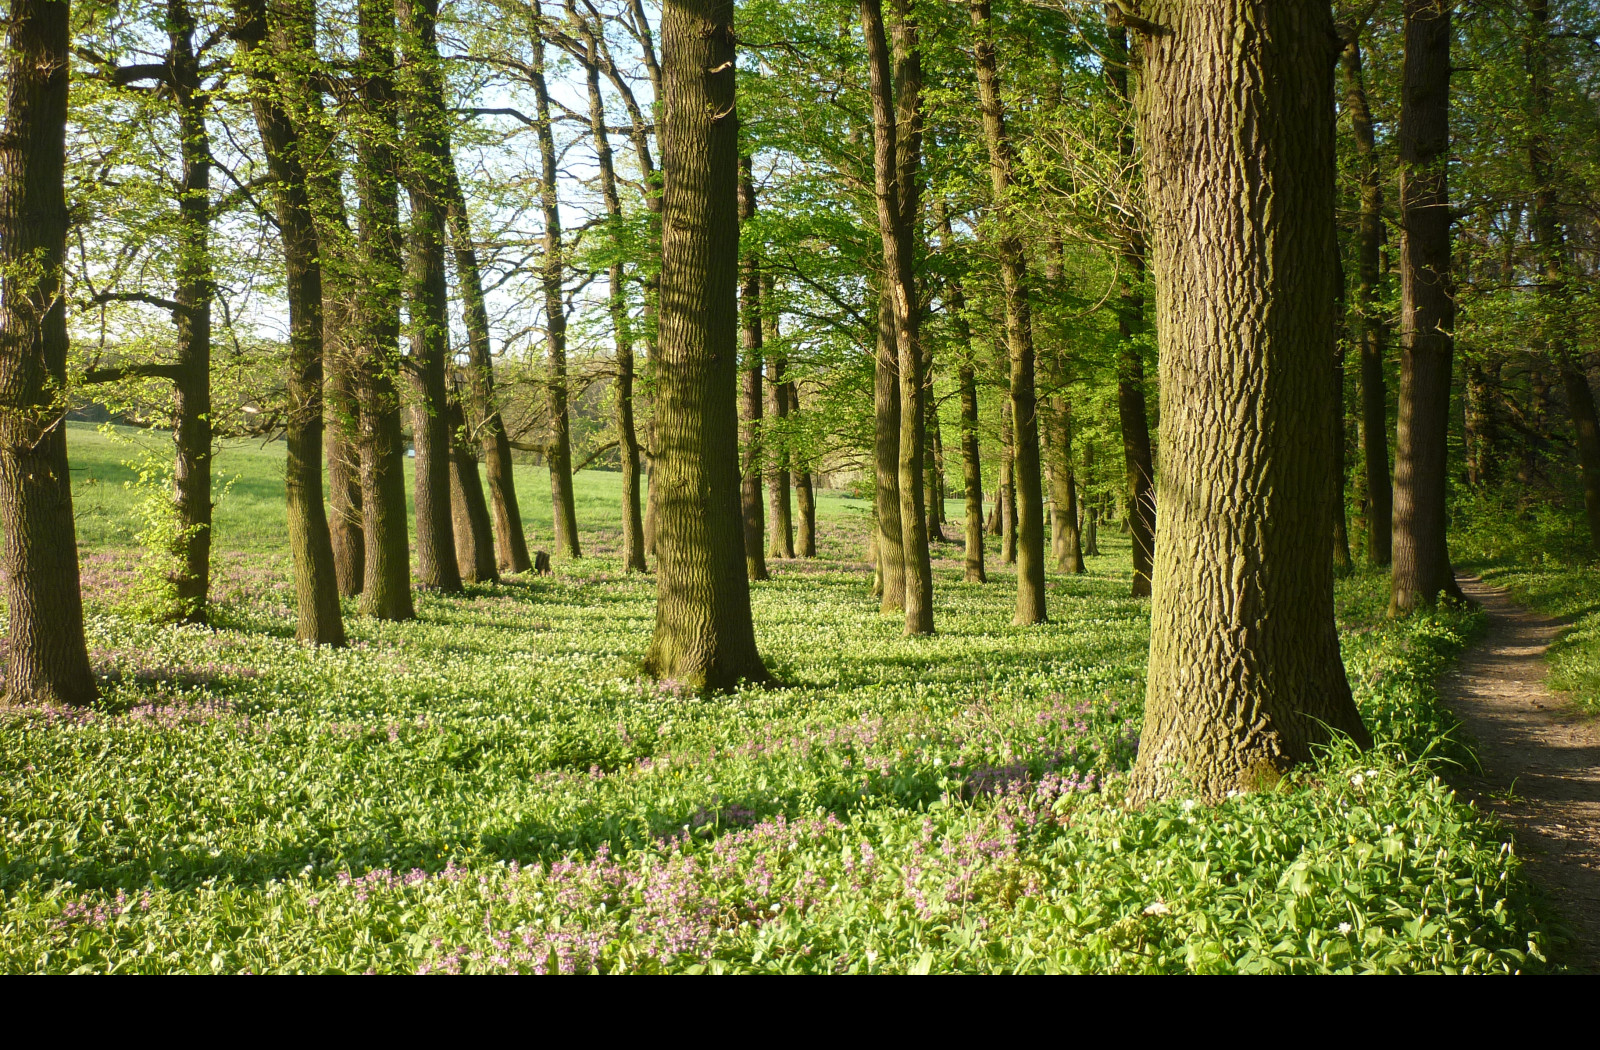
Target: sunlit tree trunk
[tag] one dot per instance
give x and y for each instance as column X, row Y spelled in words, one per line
column 703, row 632
column 896, row 171
column 484, row 419
column 1019, row 332
column 889, row 558
column 780, row 478
column 1421, row 569
column 1245, row 678
column 386, row 585
column 46, row 657
column 971, row 455
column 316, row 584
column 469, row 511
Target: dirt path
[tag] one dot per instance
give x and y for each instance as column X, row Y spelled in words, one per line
column 1541, row 761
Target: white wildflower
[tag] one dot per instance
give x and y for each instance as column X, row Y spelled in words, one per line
column 1157, row 908
column 1345, row 927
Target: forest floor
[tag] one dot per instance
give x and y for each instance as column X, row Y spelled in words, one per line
column 1540, row 760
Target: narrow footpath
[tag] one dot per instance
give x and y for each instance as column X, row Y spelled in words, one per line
column 1541, row 762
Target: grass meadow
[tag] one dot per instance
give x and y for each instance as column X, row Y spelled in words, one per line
column 495, row 788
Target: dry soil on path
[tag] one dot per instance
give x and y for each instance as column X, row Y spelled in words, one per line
column 1541, row 762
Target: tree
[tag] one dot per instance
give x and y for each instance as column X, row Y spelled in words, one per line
column 316, row 584
column 1371, row 329
column 1421, row 569
column 750, row 371
column 553, row 277
column 703, row 633
column 47, row 660
column 427, row 155
column 1237, row 124
column 896, row 152
column 1019, row 331
column 386, row 587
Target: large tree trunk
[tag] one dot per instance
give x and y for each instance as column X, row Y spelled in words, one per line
column 895, row 168
column 552, row 275
column 341, row 419
column 805, row 501
column 1555, row 308
column 1237, row 119
column 966, row 377
column 1019, row 332
column 469, row 511
column 427, row 153
column 890, row 560
column 1427, row 313
column 46, row 658
column 1372, row 331
column 386, row 585
column 703, row 634
column 489, row 429
column 1132, row 411
column 617, row 301
column 316, row 584
column 751, row 404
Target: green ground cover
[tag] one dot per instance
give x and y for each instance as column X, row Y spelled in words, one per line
column 495, row 788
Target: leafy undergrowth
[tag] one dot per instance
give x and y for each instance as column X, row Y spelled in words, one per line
column 494, row 788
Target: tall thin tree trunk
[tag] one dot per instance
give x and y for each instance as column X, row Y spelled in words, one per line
column 484, row 419
column 1421, row 567
column 1132, row 411
column 1245, row 677
column 703, row 634
column 896, row 165
column 563, row 508
column 1067, row 543
column 617, row 301
column 386, row 585
column 341, row 422
column 966, row 377
column 1019, row 332
column 752, row 401
column 427, row 152
column 316, row 584
column 47, row 660
column 1372, row 331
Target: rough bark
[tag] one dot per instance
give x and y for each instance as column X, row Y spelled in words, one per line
column 1019, row 331
column 386, row 584
column 1371, row 329
column 1421, row 568
column 552, row 277
column 703, row 636
column 1132, row 411
column 897, row 136
column 633, row 545
column 1237, row 123
column 316, row 584
column 751, row 401
column 484, row 419
column 46, row 658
